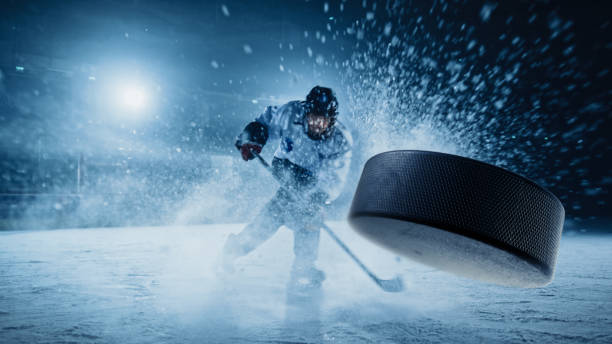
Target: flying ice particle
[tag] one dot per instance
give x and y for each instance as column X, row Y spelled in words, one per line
column 487, row 9
column 282, row 68
column 225, row 10
column 370, row 15
column 459, row 87
column 532, row 18
column 309, row 51
column 247, row 49
column 320, row 59
column 388, row 27
column 481, row 50
column 214, row 64
column 325, row 7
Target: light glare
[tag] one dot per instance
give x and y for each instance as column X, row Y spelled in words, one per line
column 133, row 97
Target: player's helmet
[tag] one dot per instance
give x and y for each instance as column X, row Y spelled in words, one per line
column 321, row 102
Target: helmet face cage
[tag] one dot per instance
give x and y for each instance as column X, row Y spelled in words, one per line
column 322, row 101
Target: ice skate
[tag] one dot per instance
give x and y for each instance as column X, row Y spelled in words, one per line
column 306, row 278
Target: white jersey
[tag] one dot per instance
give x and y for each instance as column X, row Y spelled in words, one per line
column 328, row 159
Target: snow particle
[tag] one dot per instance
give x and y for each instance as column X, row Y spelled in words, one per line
column 388, row 27
column 485, row 12
column 225, row 10
column 247, row 49
column 471, row 44
column 214, row 64
column 320, row 59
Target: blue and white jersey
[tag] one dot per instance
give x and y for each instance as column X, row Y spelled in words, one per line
column 328, row 159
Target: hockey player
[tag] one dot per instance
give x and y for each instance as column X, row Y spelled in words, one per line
column 310, row 163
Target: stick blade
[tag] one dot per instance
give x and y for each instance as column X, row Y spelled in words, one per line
column 395, row 285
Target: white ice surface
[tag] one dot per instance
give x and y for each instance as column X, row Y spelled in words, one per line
column 155, row 285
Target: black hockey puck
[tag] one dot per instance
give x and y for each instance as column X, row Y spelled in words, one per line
column 460, row 215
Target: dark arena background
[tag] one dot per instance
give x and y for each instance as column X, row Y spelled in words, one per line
column 120, row 181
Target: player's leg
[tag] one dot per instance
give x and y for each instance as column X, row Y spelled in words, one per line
column 306, row 251
column 265, row 224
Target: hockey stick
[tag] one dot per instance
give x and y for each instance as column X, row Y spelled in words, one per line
column 393, row 285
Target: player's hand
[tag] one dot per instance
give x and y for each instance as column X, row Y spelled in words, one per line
column 246, row 148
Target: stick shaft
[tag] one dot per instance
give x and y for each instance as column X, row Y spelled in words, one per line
column 350, row 253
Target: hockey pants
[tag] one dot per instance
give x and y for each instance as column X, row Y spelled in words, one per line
column 280, row 210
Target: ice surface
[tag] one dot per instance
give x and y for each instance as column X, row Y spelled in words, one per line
column 135, row 285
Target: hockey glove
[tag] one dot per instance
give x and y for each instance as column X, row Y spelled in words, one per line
column 246, row 148
column 252, row 138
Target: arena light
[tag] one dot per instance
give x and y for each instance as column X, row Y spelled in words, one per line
column 132, row 97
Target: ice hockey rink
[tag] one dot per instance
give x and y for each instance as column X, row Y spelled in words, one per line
column 158, row 284
column 122, row 172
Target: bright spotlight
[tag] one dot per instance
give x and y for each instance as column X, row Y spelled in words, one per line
column 133, row 97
